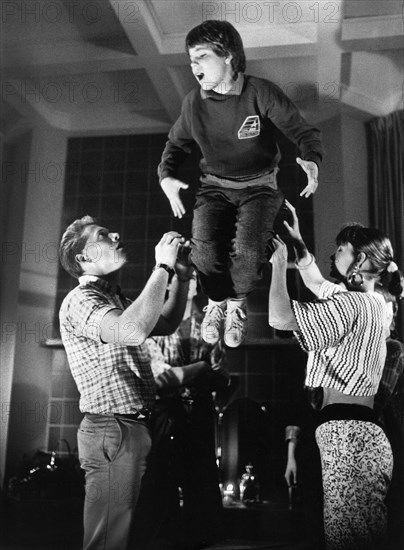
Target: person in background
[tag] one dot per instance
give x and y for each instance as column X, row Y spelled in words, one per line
column 232, row 118
column 389, row 409
column 183, row 460
column 104, row 336
column 303, row 466
column 344, row 334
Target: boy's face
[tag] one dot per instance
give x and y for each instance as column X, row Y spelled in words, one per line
column 211, row 71
column 103, row 252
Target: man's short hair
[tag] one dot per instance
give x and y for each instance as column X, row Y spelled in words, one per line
column 223, row 38
column 72, row 243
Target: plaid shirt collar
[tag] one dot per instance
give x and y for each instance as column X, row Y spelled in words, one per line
column 98, row 281
column 236, row 89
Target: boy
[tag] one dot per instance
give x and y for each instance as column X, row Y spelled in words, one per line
column 231, row 118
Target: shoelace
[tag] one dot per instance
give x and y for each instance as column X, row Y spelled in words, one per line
column 238, row 317
column 215, row 313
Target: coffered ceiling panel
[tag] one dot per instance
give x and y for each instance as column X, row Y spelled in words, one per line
column 44, row 22
column 120, row 66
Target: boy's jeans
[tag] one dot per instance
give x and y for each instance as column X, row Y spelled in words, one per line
column 231, row 232
column 113, row 453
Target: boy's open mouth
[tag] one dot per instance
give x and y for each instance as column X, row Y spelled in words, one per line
column 199, row 76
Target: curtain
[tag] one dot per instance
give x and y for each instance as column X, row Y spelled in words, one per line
column 386, row 183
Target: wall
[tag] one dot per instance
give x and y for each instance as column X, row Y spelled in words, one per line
column 15, row 155
column 355, row 177
column 343, row 180
column 33, row 276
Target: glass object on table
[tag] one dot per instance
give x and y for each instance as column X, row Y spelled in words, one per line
column 249, row 486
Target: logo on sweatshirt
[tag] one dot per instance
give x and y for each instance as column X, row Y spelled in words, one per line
column 250, row 128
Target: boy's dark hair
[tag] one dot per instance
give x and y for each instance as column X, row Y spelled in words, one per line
column 72, row 243
column 223, row 38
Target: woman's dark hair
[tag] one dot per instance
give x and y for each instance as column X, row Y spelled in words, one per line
column 223, row 38
column 378, row 250
column 72, row 243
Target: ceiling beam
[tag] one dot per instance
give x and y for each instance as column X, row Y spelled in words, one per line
column 329, row 53
column 144, row 36
column 382, row 26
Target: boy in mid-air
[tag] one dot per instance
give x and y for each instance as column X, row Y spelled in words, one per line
column 232, row 118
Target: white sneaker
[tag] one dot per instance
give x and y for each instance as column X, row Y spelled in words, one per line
column 236, row 324
column 212, row 324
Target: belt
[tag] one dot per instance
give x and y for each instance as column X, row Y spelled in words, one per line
column 345, row 411
column 138, row 415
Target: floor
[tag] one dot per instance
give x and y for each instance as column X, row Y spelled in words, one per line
column 251, row 545
column 228, row 544
column 28, row 527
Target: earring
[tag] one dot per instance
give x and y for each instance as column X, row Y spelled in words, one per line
column 355, row 278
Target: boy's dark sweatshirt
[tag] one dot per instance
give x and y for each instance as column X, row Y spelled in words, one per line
column 216, row 122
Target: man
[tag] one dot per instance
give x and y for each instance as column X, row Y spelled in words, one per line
column 104, row 334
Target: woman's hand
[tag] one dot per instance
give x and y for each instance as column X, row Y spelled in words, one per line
column 280, row 254
column 294, row 229
column 280, row 313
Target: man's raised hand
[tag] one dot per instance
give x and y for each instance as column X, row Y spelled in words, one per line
column 167, row 248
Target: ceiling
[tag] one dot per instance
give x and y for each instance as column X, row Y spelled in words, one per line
column 114, row 66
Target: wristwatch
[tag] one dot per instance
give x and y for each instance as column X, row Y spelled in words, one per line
column 170, row 270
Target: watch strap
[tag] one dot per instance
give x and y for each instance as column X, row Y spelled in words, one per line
column 170, row 270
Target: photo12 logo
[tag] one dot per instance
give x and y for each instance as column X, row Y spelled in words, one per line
column 68, row 12
column 276, row 12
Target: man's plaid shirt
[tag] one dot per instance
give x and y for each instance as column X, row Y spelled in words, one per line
column 111, row 378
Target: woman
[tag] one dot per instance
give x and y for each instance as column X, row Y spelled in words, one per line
column 344, row 334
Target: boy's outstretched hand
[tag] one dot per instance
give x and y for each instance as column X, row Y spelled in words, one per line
column 311, row 170
column 171, row 188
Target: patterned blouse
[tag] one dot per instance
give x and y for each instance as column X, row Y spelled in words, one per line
column 111, row 378
column 344, row 334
